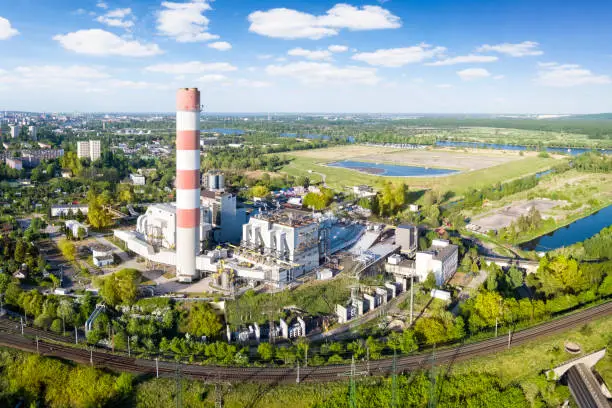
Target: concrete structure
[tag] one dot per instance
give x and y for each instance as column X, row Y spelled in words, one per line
column 285, row 236
column 187, row 183
column 15, row 130
column 68, row 209
column 407, row 236
column 441, row 294
column 33, row 132
column 227, row 215
column 363, row 191
column 441, row 258
column 74, row 227
column 137, row 179
column 214, row 180
column 89, row 149
column 102, row 255
column 16, row 164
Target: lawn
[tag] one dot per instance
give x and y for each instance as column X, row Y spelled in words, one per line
column 339, row 178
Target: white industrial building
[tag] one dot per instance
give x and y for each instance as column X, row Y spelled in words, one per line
column 227, row 214
column 286, row 237
column 102, row 255
column 441, row 258
column 89, row 149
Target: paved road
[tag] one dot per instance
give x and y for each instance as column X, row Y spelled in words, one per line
column 11, row 337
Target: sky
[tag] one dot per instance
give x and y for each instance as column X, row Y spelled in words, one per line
column 393, row 56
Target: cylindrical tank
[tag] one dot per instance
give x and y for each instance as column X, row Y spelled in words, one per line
column 187, row 182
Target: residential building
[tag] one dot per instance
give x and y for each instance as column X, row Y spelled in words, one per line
column 16, row 164
column 138, row 179
column 89, row 149
column 363, row 191
column 33, row 132
column 15, row 130
column 68, row 209
column 74, row 227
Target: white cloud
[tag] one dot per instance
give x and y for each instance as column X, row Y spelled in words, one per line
column 6, row 30
column 567, row 75
column 212, row 78
column 463, row 59
column 265, row 56
column 56, row 71
column 498, row 77
column 338, row 48
column 323, row 72
column 473, row 73
column 291, row 24
column 311, row 55
column 221, row 45
column 444, row 86
column 251, row 83
column 117, row 18
column 524, row 49
column 185, row 22
column 102, row 5
column 192, row 67
column 398, row 57
column 99, row 42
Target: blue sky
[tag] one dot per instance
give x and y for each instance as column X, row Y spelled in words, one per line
column 504, row 56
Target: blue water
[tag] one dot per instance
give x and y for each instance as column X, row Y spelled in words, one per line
column 392, row 170
column 543, row 173
column 577, row 231
column 475, row 145
column 224, row 131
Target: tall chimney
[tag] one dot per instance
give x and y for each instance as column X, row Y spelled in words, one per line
column 187, row 183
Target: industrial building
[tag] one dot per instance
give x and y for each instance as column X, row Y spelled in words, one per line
column 407, row 237
column 89, row 149
column 227, row 214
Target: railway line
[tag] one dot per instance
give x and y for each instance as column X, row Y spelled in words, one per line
column 10, row 336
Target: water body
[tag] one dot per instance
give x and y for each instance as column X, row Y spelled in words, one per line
column 543, row 173
column 225, row 131
column 577, row 231
column 391, row 170
column 562, row 150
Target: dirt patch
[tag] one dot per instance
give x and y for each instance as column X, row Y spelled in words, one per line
column 503, row 217
column 257, row 174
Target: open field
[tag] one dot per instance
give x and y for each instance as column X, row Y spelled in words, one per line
column 501, row 166
column 503, row 217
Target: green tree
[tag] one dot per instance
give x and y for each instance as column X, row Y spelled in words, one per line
column 120, row 287
column 67, row 249
column 266, row 351
column 259, row 191
column 202, row 321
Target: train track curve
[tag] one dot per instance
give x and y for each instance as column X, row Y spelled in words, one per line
column 10, row 336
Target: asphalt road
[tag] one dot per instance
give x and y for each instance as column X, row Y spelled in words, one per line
column 10, row 336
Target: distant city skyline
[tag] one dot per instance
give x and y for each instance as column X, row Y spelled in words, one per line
column 440, row 56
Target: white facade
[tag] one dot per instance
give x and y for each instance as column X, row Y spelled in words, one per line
column 137, row 179
column 33, row 131
column 90, row 149
column 292, row 242
column 15, row 130
column 441, row 258
column 68, row 209
column 158, row 225
column 74, row 227
column 14, row 163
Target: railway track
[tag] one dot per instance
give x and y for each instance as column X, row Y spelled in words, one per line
column 10, row 336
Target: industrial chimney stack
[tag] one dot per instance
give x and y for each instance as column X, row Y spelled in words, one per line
column 187, row 183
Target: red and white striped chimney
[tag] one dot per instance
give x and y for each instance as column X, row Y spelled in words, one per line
column 187, row 183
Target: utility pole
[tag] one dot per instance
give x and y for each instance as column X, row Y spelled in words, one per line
column 91, row 355
column 297, row 380
column 352, row 386
column 179, row 401
column 76, row 336
column 509, row 338
column 496, row 327
column 394, row 381
column 411, row 297
column 368, row 360
column 129, row 351
column 37, row 349
column 156, row 367
column 21, row 321
column 432, row 377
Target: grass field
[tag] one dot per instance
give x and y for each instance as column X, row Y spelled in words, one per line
column 488, row 166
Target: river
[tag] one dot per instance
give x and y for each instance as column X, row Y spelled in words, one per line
column 577, row 231
column 475, row 145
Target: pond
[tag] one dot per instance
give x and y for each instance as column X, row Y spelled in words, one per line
column 391, row 170
column 577, row 231
column 475, row 145
column 224, row 131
